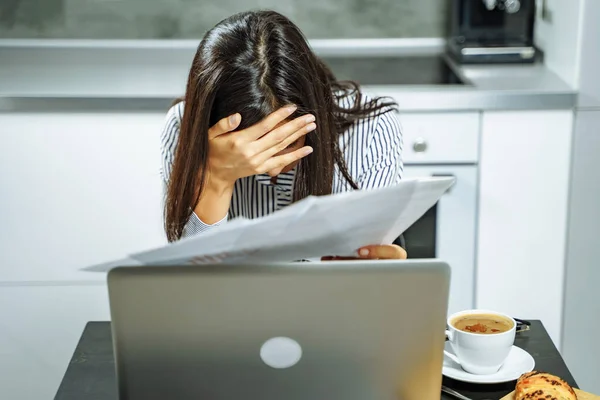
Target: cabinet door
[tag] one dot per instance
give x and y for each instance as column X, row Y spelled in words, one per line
column 77, row 190
column 39, row 330
column 524, row 185
column 455, row 229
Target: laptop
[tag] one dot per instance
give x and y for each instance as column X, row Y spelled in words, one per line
column 350, row 330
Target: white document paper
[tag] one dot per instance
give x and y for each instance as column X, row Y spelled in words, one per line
column 335, row 225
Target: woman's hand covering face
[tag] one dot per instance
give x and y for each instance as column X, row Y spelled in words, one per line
column 261, row 148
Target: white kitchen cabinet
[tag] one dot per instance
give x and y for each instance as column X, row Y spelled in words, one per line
column 524, row 185
column 77, row 189
column 440, row 138
column 39, row 330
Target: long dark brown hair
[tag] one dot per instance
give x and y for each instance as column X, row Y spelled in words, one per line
column 253, row 63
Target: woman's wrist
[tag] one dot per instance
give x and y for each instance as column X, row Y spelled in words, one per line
column 218, row 186
column 215, row 200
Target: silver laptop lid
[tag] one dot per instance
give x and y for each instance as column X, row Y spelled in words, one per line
column 335, row 330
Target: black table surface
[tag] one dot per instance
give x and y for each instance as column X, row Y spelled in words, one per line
column 91, row 372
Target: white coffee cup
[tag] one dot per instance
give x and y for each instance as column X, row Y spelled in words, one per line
column 480, row 354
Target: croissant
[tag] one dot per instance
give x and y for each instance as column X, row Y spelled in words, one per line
column 542, row 386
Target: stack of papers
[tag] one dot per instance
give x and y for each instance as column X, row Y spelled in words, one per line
column 334, row 225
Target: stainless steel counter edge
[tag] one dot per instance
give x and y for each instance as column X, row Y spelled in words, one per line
column 409, row 101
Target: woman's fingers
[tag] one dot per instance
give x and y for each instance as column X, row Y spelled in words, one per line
column 265, row 135
column 279, row 147
column 375, row 252
column 281, row 137
column 382, row 252
column 225, row 125
column 269, row 123
column 274, row 165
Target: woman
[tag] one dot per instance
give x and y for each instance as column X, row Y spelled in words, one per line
column 265, row 123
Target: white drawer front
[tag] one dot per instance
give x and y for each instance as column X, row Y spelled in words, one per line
column 440, row 138
column 97, row 197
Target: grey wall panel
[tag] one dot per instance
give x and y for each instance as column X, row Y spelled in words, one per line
column 144, row 19
column 581, row 323
column 589, row 82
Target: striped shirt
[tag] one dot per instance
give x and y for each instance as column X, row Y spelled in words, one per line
column 372, row 149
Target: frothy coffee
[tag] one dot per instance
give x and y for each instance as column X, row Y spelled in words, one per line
column 485, row 324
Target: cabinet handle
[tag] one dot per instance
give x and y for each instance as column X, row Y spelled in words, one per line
column 420, row 145
column 445, row 176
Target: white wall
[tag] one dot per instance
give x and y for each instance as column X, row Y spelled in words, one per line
column 559, row 36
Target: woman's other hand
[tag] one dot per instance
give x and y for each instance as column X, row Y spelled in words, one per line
column 382, row 252
column 375, row 252
column 255, row 150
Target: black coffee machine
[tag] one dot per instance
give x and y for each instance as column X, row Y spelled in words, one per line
column 492, row 31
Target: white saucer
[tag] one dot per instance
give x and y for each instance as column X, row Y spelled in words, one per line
column 518, row 362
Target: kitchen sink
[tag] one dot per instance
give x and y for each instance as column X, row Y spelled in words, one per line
column 394, row 70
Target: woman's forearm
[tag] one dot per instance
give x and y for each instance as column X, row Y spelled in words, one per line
column 214, row 201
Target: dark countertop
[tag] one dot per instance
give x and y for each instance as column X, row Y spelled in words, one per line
column 145, row 76
column 91, row 376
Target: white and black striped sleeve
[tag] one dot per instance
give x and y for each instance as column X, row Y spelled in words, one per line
column 168, row 144
column 382, row 165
